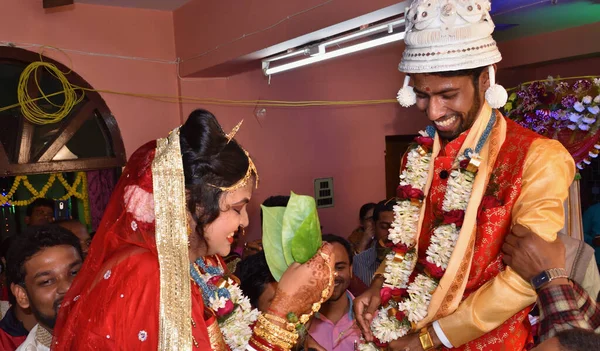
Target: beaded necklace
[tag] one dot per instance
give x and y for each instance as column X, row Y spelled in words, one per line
column 209, row 290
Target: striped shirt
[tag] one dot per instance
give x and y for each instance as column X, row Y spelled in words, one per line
column 365, row 264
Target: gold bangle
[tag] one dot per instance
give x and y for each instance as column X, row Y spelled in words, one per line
column 267, row 324
column 425, row 339
column 288, row 325
column 275, row 333
column 275, row 318
column 272, row 339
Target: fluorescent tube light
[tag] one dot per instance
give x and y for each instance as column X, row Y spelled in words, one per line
column 329, row 55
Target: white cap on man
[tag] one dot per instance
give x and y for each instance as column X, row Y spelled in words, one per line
column 449, row 35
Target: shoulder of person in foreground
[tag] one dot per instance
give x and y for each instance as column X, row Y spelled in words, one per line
column 121, row 310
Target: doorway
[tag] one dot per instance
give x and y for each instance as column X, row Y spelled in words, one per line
column 395, row 147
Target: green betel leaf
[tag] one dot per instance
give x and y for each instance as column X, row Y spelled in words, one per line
column 272, row 227
column 307, row 240
column 301, row 231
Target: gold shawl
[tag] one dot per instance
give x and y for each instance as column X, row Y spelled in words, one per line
column 175, row 330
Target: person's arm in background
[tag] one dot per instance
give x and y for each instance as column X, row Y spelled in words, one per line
column 563, row 304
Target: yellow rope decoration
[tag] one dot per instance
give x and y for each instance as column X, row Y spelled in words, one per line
column 29, row 106
column 81, row 179
column 35, row 114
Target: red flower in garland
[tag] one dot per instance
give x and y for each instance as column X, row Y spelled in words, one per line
column 432, row 269
column 425, row 142
column 397, row 294
column 386, row 295
column 464, row 163
column 407, row 192
column 400, row 316
column 227, row 309
column 455, row 216
column 400, row 248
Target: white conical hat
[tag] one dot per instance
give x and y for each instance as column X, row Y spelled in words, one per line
column 448, row 35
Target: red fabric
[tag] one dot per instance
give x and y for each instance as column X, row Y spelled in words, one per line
column 493, row 224
column 3, row 293
column 113, row 303
column 10, row 343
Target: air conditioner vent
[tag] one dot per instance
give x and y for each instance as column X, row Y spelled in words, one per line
column 324, row 192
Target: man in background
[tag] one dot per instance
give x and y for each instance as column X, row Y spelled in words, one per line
column 362, row 236
column 367, row 262
column 564, row 305
column 41, row 264
column 333, row 327
column 80, row 231
column 16, row 322
column 40, row 212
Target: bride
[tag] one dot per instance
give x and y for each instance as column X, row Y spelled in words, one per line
column 154, row 278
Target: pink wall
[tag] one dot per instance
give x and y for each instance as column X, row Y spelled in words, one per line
column 293, row 146
column 114, row 31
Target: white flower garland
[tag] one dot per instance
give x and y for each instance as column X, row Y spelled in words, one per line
column 403, row 231
column 391, row 328
column 236, row 328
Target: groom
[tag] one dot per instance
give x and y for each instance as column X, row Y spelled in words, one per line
column 510, row 176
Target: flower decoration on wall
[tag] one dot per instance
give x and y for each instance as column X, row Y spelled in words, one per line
column 565, row 109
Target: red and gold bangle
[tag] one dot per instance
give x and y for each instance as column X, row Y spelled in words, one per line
column 261, row 344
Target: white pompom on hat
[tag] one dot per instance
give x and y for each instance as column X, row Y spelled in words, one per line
column 406, row 95
column 496, row 96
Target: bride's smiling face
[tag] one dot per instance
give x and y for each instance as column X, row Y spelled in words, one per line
column 219, row 234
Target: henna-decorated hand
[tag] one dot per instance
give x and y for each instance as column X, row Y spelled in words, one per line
column 302, row 284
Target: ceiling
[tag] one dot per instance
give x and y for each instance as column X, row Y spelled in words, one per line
column 163, row 5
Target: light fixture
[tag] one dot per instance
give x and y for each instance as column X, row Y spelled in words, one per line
column 318, row 53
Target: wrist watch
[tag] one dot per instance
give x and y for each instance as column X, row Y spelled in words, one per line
column 547, row 276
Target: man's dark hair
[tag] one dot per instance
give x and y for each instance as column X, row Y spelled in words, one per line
column 332, row 238
column 578, row 340
column 30, row 242
column 364, row 209
column 41, row 202
column 254, row 275
column 383, row 206
column 274, row 201
column 474, row 73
